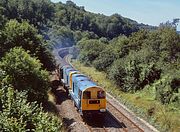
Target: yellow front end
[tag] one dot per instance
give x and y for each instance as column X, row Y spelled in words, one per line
column 87, row 105
column 92, row 101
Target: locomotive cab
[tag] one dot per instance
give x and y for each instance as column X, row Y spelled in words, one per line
column 87, row 96
column 93, row 100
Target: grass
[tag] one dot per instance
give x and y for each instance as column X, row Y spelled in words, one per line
column 143, row 103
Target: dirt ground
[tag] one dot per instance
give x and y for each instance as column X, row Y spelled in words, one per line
column 71, row 118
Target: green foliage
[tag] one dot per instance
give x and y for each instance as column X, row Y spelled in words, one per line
column 25, row 73
column 38, row 12
column 62, row 37
column 26, row 36
column 90, row 50
column 78, row 35
column 104, row 60
column 117, row 73
column 21, row 34
column 168, row 87
column 76, row 18
column 143, row 59
column 19, row 115
column 113, row 50
column 2, row 17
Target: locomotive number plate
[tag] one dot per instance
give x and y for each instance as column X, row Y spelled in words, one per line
column 94, row 102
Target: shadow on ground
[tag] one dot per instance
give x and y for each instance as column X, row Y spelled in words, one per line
column 106, row 120
column 58, row 91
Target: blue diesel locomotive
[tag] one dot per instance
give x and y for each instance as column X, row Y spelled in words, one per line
column 87, row 96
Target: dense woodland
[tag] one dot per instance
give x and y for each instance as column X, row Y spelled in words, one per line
column 145, row 59
column 133, row 55
column 25, row 60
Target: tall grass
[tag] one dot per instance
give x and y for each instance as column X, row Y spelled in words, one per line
column 143, row 103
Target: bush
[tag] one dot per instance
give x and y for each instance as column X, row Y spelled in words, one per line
column 19, row 115
column 25, row 73
column 117, row 73
column 131, row 74
column 90, row 50
column 168, row 87
column 104, row 60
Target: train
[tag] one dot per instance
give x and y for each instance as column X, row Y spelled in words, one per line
column 87, row 96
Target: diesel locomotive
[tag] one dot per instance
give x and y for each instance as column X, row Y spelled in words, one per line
column 87, row 96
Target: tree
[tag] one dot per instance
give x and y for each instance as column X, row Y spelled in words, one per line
column 76, row 18
column 25, row 73
column 70, row 3
column 105, row 59
column 117, row 73
column 170, row 24
column 37, row 12
column 26, row 36
column 113, row 50
column 90, row 50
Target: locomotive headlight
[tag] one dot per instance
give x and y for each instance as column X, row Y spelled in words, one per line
column 102, row 110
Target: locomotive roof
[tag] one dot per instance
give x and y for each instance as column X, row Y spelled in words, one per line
column 83, row 81
column 70, row 69
column 79, row 77
column 83, row 85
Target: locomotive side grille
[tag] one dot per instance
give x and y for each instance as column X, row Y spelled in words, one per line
column 94, row 102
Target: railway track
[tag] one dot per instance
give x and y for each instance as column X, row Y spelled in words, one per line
column 103, row 124
column 114, row 120
column 117, row 118
column 127, row 124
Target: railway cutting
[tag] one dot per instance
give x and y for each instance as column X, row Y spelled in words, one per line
column 117, row 116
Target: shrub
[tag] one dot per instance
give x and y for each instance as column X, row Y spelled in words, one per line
column 25, row 73
column 19, row 115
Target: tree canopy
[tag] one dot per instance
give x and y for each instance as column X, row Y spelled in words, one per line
column 142, row 59
column 37, row 12
column 26, row 36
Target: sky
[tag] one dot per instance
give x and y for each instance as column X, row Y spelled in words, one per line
column 151, row 12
